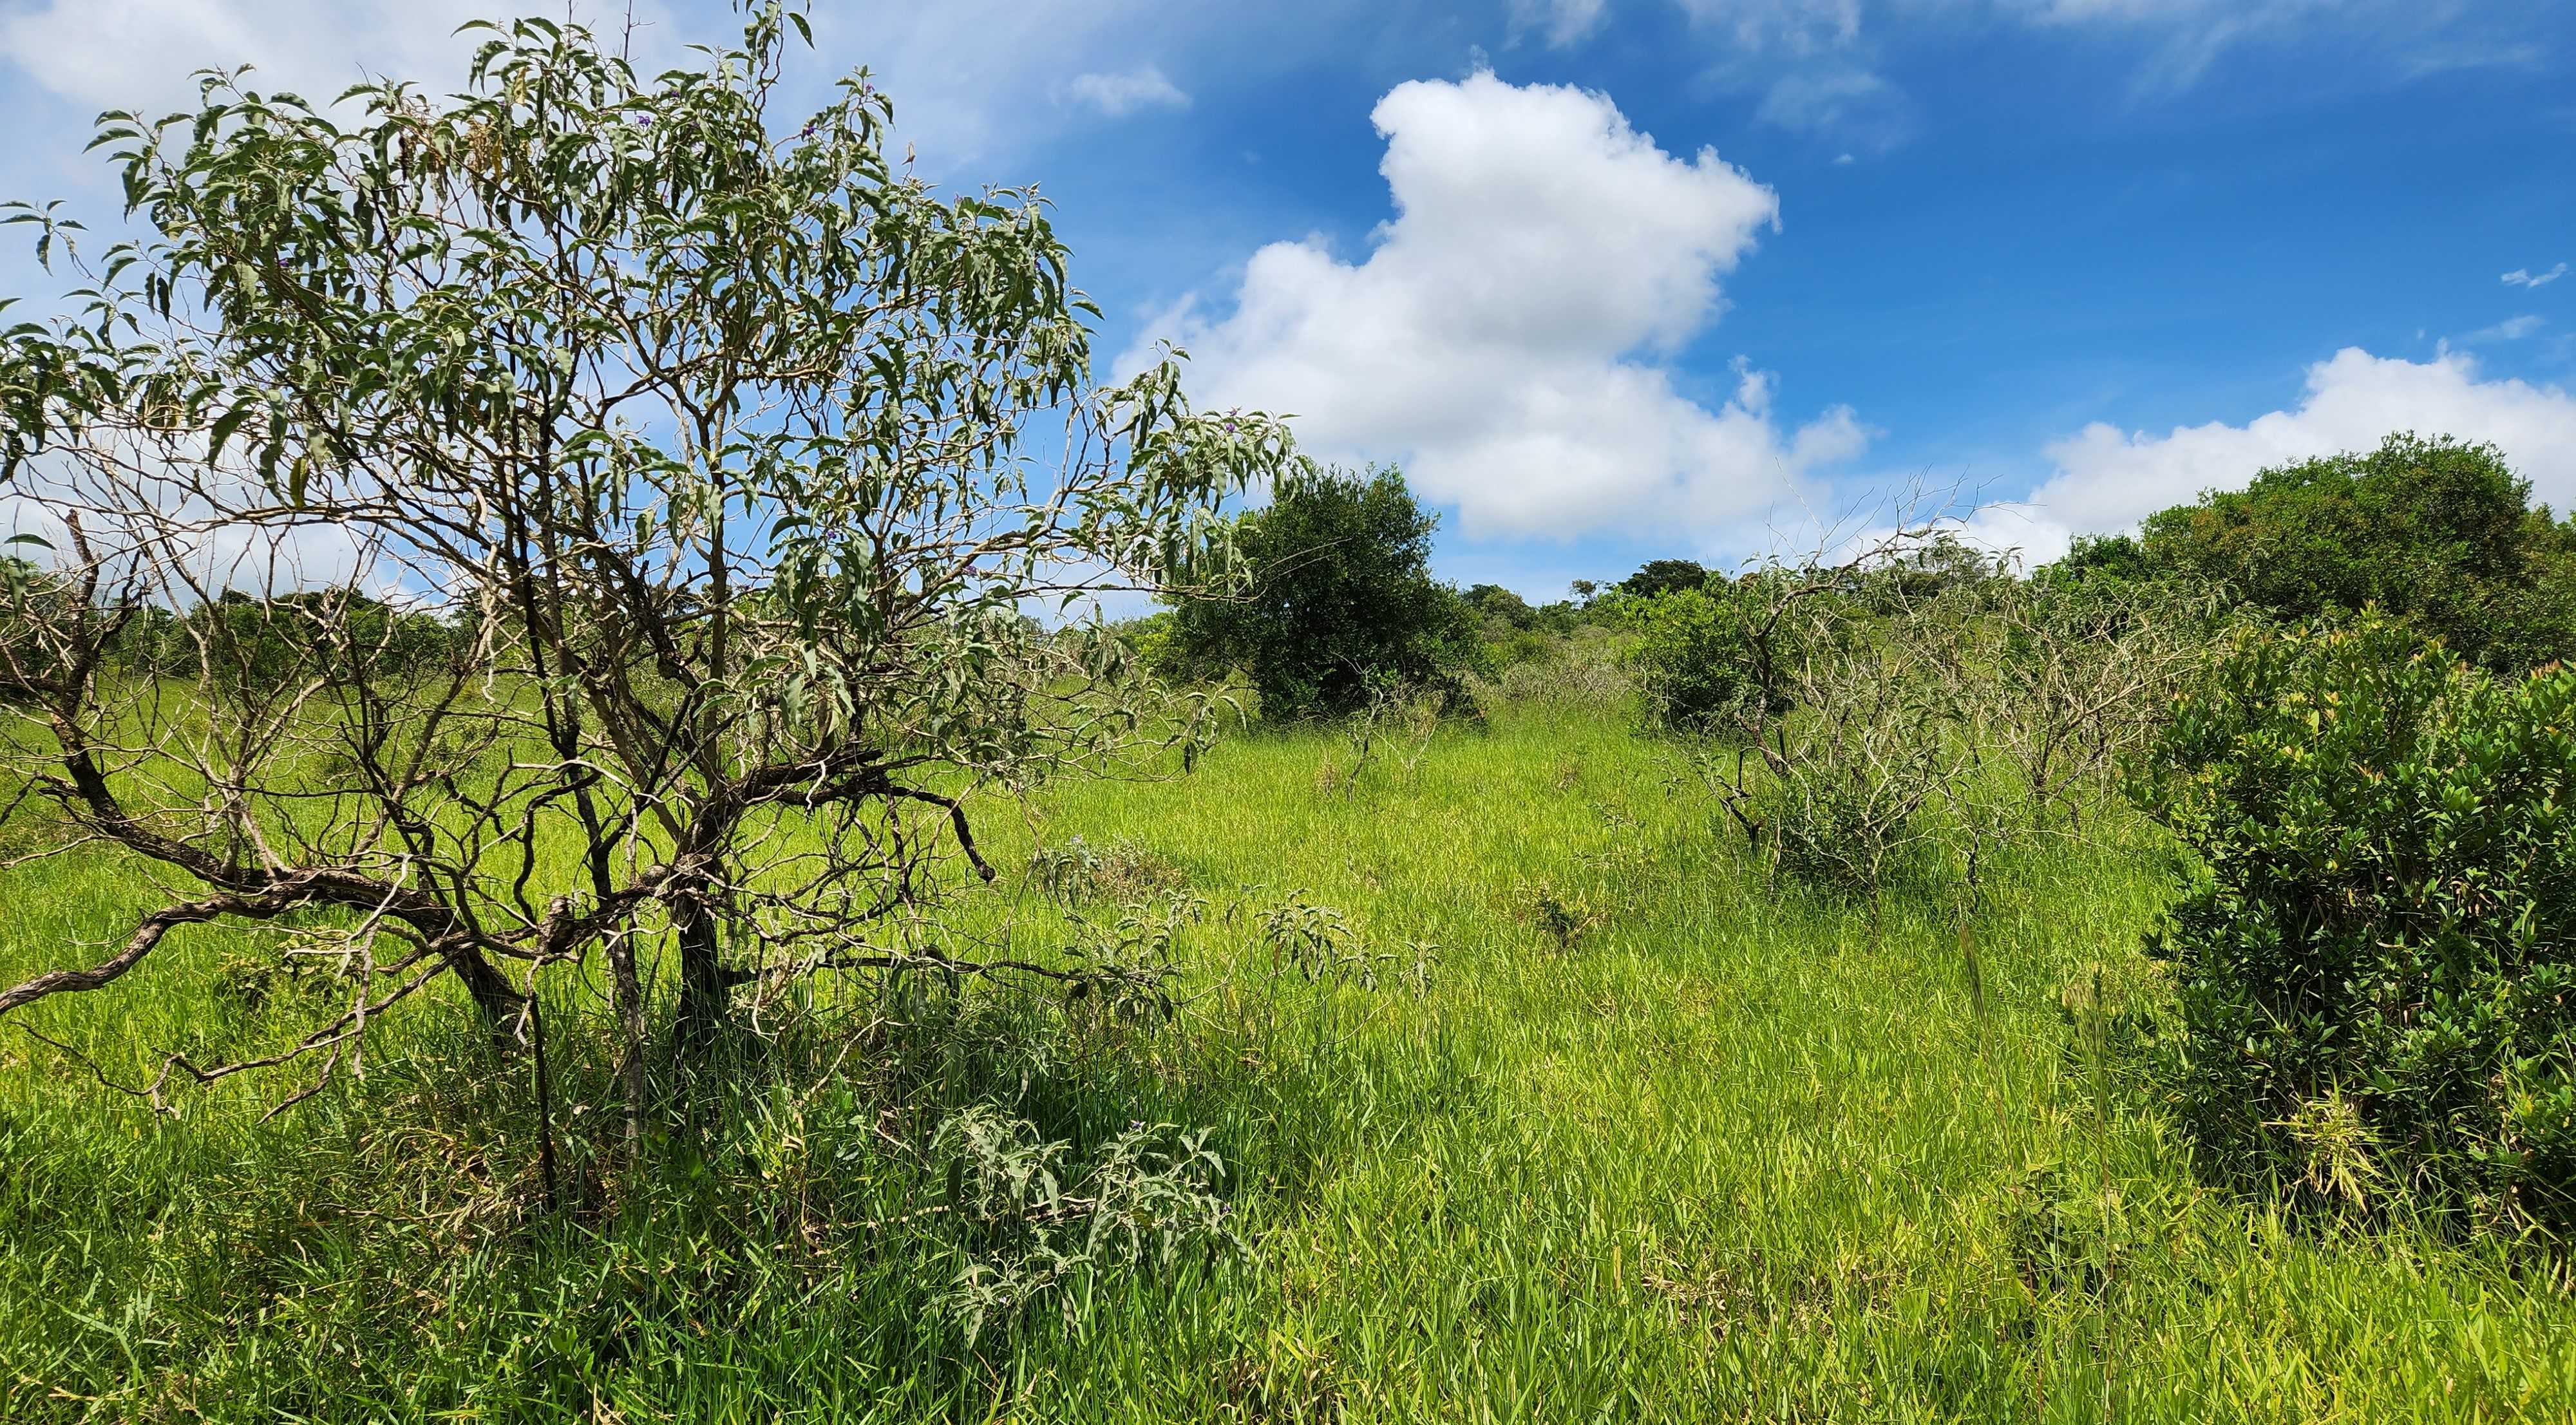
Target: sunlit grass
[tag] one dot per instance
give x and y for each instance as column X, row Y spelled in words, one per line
column 1694, row 1150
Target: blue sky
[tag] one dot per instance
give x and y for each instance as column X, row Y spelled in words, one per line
column 1626, row 278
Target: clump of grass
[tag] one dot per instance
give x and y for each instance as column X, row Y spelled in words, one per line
column 1118, row 872
column 1563, row 916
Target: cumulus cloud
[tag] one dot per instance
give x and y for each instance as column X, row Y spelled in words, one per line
column 1560, row 22
column 1508, row 335
column 974, row 80
column 2107, row 480
column 1118, row 95
column 2523, row 277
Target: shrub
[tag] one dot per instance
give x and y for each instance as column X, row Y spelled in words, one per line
column 1692, row 661
column 2374, row 962
column 1585, row 669
column 2438, row 533
column 1853, row 727
column 1342, row 600
column 1496, row 604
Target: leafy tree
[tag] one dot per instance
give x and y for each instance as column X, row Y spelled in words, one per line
column 709, row 429
column 2098, row 557
column 1342, row 598
column 2377, row 990
column 1663, row 576
column 2437, row 532
column 1938, row 563
column 1501, row 605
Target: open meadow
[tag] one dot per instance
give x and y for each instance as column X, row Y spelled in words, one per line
column 1579, row 1121
column 649, row 772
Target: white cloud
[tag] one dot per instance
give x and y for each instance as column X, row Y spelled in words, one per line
column 1798, row 26
column 1814, row 101
column 1826, row 42
column 1502, row 335
column 2107, row 480
column 976, row 82
column 1118, row 95
column 1560, row 22
column 2410, row 38
column 2510, row 329
column 2523, row 277
column 1853, row 104
column 140, row 53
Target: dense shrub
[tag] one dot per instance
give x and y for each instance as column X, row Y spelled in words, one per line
column 2375, row 962
column 2438, row 533
column 1584, row 669
column 1664, row 576
column 1692, row 661
column 262, row 643
column 1342, row 600
column 1514, row 632
column 1498, row 605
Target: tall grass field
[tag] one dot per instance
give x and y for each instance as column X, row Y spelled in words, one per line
column 1496, row 1082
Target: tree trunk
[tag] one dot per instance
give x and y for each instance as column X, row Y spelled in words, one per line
column 705, row 989
column 492, row 991
column 629, row 989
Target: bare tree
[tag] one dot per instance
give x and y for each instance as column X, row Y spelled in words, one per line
column 2080, row 675
column 1916, row 689
column 1845, row 736
column 579, row 518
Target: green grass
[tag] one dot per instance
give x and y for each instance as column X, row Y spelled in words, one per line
column 1725, row 1155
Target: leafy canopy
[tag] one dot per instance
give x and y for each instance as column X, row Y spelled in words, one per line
column 2437, row 532
column 1342, row 598
column 737, row 453
column 1664, row 576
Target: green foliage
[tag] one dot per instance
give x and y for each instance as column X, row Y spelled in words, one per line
column 1664, row 576
column 248, row 644
column 2436, row 532
column 1734, row 1158
column 712, row 426
column 2377, row 989
column 31, row 601
column 1693, row 661
column 1496, row 604
column 1515, row 632
column 1039, row 1227
column 2098, row 557
column 1342, row 599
